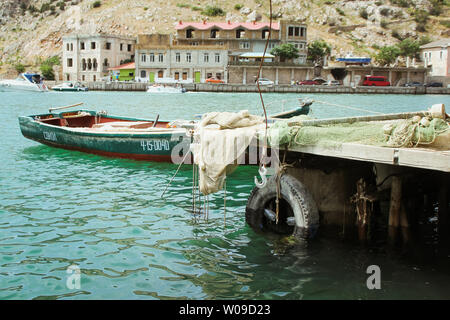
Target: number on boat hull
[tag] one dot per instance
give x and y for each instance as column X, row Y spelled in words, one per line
column 155, row 145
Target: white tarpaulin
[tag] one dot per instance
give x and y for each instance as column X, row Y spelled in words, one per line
column 220, row 139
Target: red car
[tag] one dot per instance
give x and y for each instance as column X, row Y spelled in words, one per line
column 308, row 83
column 214, row 80
column 379, row 81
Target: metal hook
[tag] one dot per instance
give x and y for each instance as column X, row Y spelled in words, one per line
column 262, row 172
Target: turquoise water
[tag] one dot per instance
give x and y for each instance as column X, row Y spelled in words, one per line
column 59, row 208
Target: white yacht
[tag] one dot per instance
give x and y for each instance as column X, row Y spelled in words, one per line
column 24, row 82
column 165, row 89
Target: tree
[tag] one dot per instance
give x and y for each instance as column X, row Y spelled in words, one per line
column 47, row 67
column 409, row 48
column 387, row 55
column 285, row 51
column 317, row 50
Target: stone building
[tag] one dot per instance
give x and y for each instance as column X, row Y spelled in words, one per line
column 161, row 58
column 88, row 57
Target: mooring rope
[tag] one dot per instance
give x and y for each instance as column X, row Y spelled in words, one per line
column 348, row 107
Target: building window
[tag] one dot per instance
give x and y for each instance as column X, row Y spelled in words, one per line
column 69, row 62
column 240, row 33
column 271, row 45
column 297, row 31
column 244, row 45
column 143, row 74
column 177, row 76
column 108, row 46
column 121, row 47
column 303, row 32
column 129, row 47
column 217, row 57
column 208, row 75
column 219, row 76
column 82, row 46
column 143, row 57
column 83, row 78
column 68, row 47
column 188, row 57
column 195, row 43
column 291, row 31
column 189, row 33
column 93, row 44
column 105, row 62
column 214, row 33
column 89, row 64
column 152, row 57
column 184, row 75
column 94, row 77
column 160, row 57
column 68, row 77
column 265, row 34
column 177, row 57
column 83, row 64
column 206, row 57
column 160, row 74
column 95, row 64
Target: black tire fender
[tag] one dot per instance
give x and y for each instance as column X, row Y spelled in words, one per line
column 301, row 205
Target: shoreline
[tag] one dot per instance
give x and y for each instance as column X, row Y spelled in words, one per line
column 206, row 87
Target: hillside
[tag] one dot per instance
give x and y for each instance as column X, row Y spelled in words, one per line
column 31, row 30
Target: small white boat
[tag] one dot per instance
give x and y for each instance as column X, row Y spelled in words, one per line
column 70, row 87
column 24, row 82
column 165, row 89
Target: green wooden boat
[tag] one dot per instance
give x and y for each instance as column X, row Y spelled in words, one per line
column 107, row 135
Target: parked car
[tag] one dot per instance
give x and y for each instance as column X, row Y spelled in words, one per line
column 413, row 84
column 379, row 81
column 214, row 80
column 332, row 83
column 434, row 84
column 320, row 80
column 265, row 82
column 308, row 83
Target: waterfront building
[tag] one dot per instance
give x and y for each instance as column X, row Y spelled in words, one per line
column 88, row 57
column 124, row 72
column 161, row 58
column 436, row 55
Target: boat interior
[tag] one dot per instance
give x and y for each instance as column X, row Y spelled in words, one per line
column 89, row 121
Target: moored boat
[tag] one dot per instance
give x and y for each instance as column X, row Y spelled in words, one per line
column 302, row 109
column 107, row 135
column 24, row 82
column 165, row 89
column 70, row 87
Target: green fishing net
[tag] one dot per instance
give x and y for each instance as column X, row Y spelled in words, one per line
column 396, row 133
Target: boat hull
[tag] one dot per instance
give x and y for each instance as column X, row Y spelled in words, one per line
column 69, row 89
column 160, row 147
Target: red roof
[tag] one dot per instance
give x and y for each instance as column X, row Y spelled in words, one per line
column 226, row 25
column 130, row 65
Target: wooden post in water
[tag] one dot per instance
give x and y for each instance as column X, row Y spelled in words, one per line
column 443, row 211
column 394, row 209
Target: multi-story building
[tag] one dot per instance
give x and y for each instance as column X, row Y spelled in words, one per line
column 201, row 50
column 159, row 58
column 88, row 57
column 243, row 38
column 437, row 56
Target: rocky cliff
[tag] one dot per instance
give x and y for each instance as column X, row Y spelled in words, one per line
column 31, row 30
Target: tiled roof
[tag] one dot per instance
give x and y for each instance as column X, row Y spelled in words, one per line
column 226, row 25
column 440, row 43
column 130, row 65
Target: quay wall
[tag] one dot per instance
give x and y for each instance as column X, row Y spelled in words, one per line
column 206, row 87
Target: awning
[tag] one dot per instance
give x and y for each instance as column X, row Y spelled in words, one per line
column 256, row 55
column 125, row 66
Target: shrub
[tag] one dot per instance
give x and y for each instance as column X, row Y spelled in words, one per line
column 363, row 13
column 436, row 7
column 385, row 12
column 44, row 7
column 96, row 4
column 195, row 8
column 20, row 68
column 340, row 11
column 397, row 35
column 387, row 55
column 402, row 3
column 238, row 6
column 213, row 11
column 383, row 23
column 183, row 5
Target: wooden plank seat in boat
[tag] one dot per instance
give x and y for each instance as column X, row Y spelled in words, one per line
column 124, row 125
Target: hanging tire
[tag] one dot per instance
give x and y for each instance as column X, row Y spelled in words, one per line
column 298, row 213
